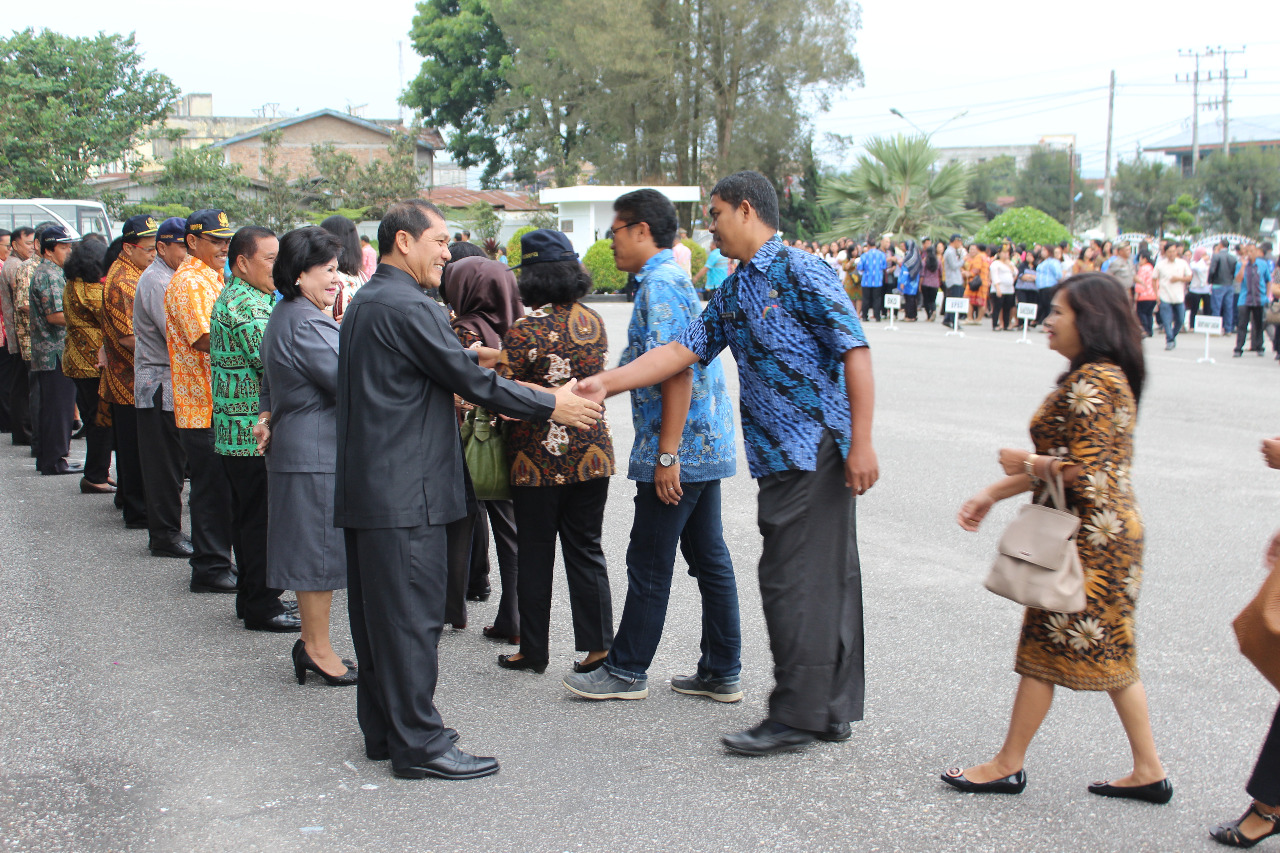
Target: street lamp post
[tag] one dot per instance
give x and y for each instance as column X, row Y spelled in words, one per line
column 929, row 135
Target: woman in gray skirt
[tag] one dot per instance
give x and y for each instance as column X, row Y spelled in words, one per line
column 298, row 427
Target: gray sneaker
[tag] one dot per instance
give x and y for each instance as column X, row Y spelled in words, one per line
column 602, row 684
column 695, row 685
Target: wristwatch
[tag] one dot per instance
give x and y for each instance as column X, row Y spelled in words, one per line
column 666, row 460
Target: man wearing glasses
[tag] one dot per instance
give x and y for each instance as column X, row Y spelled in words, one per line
column 188, row 304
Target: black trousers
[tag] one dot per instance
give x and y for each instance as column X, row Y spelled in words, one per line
column 459, row 537
column 872, row 302
column 811, row 589
column 1044, row 297
column 1001, row 311
column 1197, row 303
column 502, row 518
column 395, row 598
column 210, row 503
column 130, row 490
column 20, row 401
column 1264, row 784
column 247, row 477
column 9, row 365
column 1250, row 323
column 163, row 465
column 954, row 291
column 911, row 304
column 57, row 411
column 33, row 406
column 575, row 512
column 929, row 300
column 98, row 439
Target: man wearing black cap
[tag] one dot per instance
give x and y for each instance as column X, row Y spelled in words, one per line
column 48, row 331
column 163, row 460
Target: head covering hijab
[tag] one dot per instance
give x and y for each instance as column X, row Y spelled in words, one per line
column 912, row 260
column 483, row 296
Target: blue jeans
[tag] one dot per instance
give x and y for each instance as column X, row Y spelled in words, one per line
column 694, row 525
column 1222, row 303
column 1171, row 315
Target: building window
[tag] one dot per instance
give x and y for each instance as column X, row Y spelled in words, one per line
column 566, row 225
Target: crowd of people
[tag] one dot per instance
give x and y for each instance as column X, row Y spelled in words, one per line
column 316, row 398
column 1169, row 284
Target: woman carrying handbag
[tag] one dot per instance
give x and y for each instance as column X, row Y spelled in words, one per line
column 1082, row 433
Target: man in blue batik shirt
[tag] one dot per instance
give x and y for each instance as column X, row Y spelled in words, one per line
column 807, row 403
column 871, row 266
column 683, row 447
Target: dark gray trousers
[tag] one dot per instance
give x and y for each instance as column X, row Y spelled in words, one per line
column 811, row 589
column 162, row 461
column 396, row 581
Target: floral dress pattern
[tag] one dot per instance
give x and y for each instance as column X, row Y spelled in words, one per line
column 1088, row 422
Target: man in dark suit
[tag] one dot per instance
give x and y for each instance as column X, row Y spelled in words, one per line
column 401, row 478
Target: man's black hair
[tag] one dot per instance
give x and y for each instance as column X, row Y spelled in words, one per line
column 409, row 216
column 753, row 188
column 654, row 208
column 21, row 232
column 4, row 232
column 300, row 250
column 245, row 243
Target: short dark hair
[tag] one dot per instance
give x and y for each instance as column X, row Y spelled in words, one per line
column 85, row 263
column 245, row 243
column 753, row 188
column 21, row 232
column 4, row 232
column 652, row 208
column 345, row 230
column 463, row 249
column 300, row 250
column 409, row 216
column 1224, row 244
column 553, row 283
column 1107, row 326
column 364, row 238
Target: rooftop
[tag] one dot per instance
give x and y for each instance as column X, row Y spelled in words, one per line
column 1259, row 130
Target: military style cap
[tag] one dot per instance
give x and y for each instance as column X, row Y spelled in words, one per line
column 137, row 227
column 210, row 223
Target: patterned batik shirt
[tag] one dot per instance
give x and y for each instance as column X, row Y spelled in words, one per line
column 665, row 305
column 117, row 323
column 549, row 347
column 45, row 298
column 22, row 303
column 871, row 265
column 236, row 325
column 82, row 307
column 188, row 304
column 788, row 323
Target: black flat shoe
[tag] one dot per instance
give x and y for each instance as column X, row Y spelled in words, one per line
column 768, row 738
column 506, row 662
column 493, row 634
column 837, row 733
column 479, row 594
column 87, row 488
column 281, row 623
column 1012, row 784
column 1157, row 792
column 1230, row 834
column 578, row 666
column 302, row 662
column 454, row 764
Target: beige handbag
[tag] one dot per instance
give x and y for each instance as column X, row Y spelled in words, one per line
column 1036, row 563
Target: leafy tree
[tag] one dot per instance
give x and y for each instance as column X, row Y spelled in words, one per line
column 1182, row 213
column 277, row 204
column 1242, row 189
column 604, row 272
column 697, row 256
column 1045, row 184
column 895, row 189
column 69, row 105
column 1023, row 225
column 465, row 63
column 990, row 180
column 802, row 215
column 396, row 178
column 480, row 220
column 544, row 218
column 193, row 179
column 1142, row 192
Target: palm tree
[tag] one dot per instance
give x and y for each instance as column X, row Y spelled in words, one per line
column 894, row 189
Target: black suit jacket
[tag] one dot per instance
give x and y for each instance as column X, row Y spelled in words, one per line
column 399, row 365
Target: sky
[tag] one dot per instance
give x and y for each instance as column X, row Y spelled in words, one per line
column 1020, row 70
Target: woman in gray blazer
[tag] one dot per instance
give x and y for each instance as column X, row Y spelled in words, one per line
column 298, row 425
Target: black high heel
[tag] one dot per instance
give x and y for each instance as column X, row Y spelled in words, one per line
column 303, row 662
column 1230, row 834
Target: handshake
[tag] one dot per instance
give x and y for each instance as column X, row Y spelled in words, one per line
column 578, row 403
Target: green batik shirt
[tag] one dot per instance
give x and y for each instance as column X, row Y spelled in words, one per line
column 235, row 337
column 47, row 285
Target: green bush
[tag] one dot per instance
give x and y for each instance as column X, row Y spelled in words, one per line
column 513, row 245
column 1023, row 225
column 698, row 260
column 599, row 262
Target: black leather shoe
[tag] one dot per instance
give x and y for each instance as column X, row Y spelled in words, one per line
column 382, row 755
column 1012, row 784
column 281, row 623
column 1157, row 792
column 223, row 581
column 768, row 738
column 507, row 662
column 290, row 605
column 302, row 662
column 837, row 733
column 87, row 488
column 65, row 468
column 454, row 764
column 177, row 550
column 1231, row 835
column 479, row 594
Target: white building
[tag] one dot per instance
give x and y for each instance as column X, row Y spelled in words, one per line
column 586, row 212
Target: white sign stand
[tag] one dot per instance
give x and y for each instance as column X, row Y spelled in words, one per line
column 893, row 302
column 1209, row 326
column 1026, row 313
column 957, row 306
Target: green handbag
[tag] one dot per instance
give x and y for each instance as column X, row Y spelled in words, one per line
column 485, row 450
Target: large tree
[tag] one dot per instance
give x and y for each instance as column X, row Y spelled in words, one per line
column 1046, row 182
column 1242, row 189
column 70, row 105
column 1142, row 192
column 195, row 178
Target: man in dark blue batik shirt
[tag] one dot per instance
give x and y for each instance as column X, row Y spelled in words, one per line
column 807, row 403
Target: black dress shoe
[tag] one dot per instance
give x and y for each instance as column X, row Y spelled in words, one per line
column 1011, row 784
column 1157, row 792
column 281, row 623
column 512, row 662
column 768, row 738
column 290, row 605
column 65, row 468
column 383, row 755
column 223, row 581
column 479, row 594
column 178, row 550
column 494, row 634
column 454, row 764
column 87, row 488
column 837, row 733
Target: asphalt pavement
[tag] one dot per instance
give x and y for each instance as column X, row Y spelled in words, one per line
column 137, row 716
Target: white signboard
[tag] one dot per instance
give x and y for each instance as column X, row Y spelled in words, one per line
column 892, row 301
column 1027, row 310
column 1208, row 325
column 957, row 305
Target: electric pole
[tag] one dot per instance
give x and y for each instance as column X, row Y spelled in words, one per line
column 1226, row 78
column 1106, row 174
column 1194, row 80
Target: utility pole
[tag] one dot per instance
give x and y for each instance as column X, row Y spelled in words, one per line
column 1106, row 174
column 1226, row 78
column 1194, row 80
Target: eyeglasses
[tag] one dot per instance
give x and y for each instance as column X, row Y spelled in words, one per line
column 609, row 235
